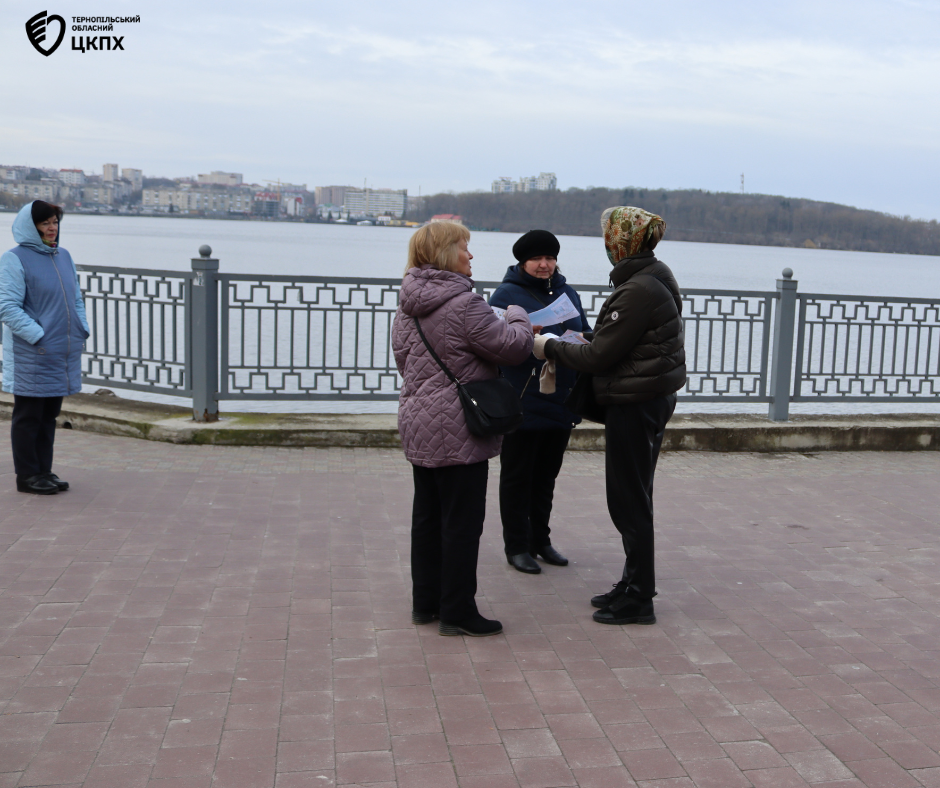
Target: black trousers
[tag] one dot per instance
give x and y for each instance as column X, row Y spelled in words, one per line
column 446, row 525
column 634, row 436
column 529, row 464
column 33, row 433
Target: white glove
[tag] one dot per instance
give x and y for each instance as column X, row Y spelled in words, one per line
column 538, row 348
column 547, row 378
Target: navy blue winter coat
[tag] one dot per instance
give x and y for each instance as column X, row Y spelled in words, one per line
column 43, row 316
column 542, row 411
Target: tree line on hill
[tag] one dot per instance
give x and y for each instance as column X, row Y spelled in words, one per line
column 693, row 215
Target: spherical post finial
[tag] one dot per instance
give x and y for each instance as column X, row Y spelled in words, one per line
column 205, row 250
column 787, row 273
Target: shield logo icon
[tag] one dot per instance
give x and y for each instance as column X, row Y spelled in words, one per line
column 36, row 32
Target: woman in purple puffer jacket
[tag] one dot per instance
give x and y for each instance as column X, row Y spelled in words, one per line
column 450, row 465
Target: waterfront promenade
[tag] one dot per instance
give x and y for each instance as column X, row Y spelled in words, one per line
column 238, row 617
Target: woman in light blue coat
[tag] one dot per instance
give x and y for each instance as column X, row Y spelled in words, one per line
column 44, row 329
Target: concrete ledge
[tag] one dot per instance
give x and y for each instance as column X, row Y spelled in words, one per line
column 113, row 415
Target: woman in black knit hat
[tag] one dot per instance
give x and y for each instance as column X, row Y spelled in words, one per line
column 531, row 457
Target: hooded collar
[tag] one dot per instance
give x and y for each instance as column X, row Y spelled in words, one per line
column 515, row 275
column 630, row 266
column 424, row 289
column 26, row 234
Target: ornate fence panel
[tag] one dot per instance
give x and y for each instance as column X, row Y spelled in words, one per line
column 139, row 329
column 289, row 337
column 727, row 345
column 867, row 349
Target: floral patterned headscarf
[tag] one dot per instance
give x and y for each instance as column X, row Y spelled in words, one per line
column 626, row 230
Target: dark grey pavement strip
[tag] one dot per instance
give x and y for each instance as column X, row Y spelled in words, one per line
column 209, row 617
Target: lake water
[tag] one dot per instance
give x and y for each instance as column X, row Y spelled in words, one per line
column 381, row 252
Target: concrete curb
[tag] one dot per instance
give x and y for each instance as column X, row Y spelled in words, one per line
column 110, row 415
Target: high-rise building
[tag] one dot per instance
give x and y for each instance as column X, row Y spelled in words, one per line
column 110, row 172
column 72, row 177
column 331, row 195
column 543, row 182
column 219, row 178
column 373, row 202
column 134, row 177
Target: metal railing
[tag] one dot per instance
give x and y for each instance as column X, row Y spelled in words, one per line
column 140, row 331
column 214, row 337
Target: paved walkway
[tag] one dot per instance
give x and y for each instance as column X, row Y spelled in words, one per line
column 189, row 617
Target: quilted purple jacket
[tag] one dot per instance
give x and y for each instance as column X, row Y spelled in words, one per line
column 471, row 341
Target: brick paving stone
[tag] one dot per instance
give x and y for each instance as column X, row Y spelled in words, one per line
column 184, row 611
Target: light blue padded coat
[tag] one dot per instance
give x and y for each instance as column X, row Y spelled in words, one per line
column 43, row 316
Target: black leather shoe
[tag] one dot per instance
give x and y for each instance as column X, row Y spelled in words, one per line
column 626, row 610
column 475, row 626
column 423, row 618
column 38, row 485
column 63, row 486
column 603, row 600
column 551, row 556
column 524, row 563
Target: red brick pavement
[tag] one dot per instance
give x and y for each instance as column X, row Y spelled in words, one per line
column 201, row 617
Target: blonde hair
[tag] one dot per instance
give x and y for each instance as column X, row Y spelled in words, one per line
column 436, row 244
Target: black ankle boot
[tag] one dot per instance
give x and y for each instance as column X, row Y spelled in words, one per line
column 38, row 485
column 475, row 626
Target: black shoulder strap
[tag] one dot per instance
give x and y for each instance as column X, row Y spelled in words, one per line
column 434, row 355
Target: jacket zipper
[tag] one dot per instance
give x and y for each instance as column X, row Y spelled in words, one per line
column 68, row 316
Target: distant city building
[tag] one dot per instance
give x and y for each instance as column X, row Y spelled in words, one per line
column 134, row 177
column 13, row 173
column 190, row 199
column 288, row 188
column 331, row 195
column 101, row 193
column 45, row 189
column 292, row 204
column 218, row 178
column 266, row 204
column 110, row 172
column 504, row 185
column 543, row 182
column 373, row 202
column 72, row 177
column 446, row 217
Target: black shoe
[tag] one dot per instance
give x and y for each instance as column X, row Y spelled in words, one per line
column 603, row 600
column 38, row 485
column 423, row 618
column 524, row 563
column 626, row 610
column 551, row 556
column 475, row 626
column 63, row 486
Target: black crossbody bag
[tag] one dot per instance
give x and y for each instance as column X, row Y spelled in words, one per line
column 491, row 407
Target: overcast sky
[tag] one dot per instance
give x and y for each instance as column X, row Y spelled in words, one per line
column 827, row 100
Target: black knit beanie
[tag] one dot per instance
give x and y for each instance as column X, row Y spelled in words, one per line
column 42, row 210
column 535, row 243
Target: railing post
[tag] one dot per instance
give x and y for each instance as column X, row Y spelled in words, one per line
column 204, row 336
column 782, row 360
